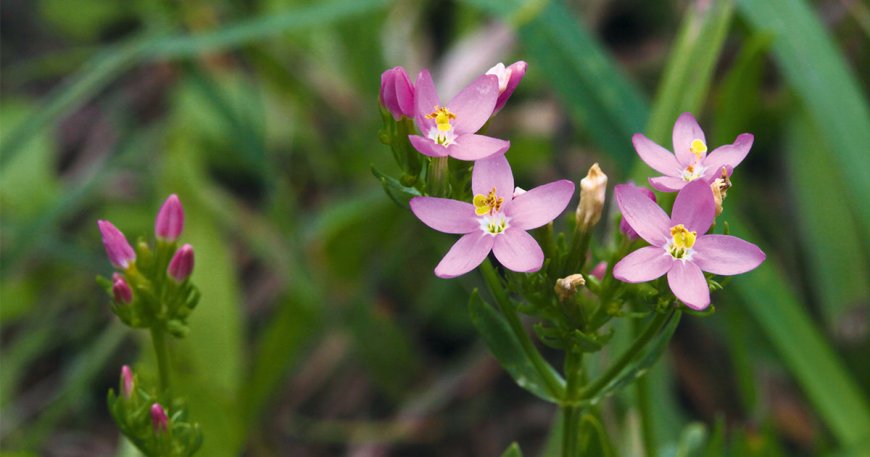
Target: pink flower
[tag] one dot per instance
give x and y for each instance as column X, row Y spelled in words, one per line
column 397, row 93
column 448, row 130
column 181, row 265
column 158, row 418
column 127, row 381
column 679, row 246
column 623, row 224
column 121, row 290
column 170, row 219
column 118, row 250
column 496, row 221
column 508, row 80
column 690, row 160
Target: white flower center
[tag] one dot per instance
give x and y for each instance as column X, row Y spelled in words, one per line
column 681, row 244
column 442, row 132
column 494, row 224
column 693, row 172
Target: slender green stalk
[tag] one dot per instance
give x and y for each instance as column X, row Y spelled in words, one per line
column 571, row 411
column 438, row 174
column 577, row 254
column 158, row 338
column 501, row 298
column 643, row 403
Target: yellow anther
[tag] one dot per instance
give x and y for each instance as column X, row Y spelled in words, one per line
column 698, row 147
column 442, row 117
column 683, row 239
column 487, row 204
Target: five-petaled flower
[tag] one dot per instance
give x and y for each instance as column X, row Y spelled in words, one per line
column 496, row 220
column 690, row 160
column 449, row 130
column 679, row 245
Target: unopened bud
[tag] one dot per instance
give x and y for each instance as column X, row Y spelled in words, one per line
column 508, row 80
column 397, row 93
column 566, row 287
column 126, row 381
column 159, row 418
column 599, row 271
column 121, row 290
column 118, row 250
column 624, row 227
column 181, row 265
column 170, row 219
column 592, row 190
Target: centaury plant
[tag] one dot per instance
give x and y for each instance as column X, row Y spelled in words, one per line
column 572, row 284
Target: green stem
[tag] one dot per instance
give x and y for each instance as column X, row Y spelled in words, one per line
column 437, row 177
column 158, row 338
column 577, row 254
column 654, row 326
column 571, row 411
column 541, row 366
column 643, row 403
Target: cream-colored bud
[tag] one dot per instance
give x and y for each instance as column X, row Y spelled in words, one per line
column 566, row 287
column 719, row 187
column 592, row 190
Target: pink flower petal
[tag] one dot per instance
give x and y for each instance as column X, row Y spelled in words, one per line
column 686, row 129
column 657, row 157
column 445, row 215
column 518, row 70
column 473, row 105
column 465, row 255
column 667, row 183
column 493, row 172
column 689, row 285
column 728, row 156
column 518, row 251
column 645, row 264
column 726, row 255
column 694, row 207
column 643, row 215
column 540, row 205
column 477, row 147
column 425, row 101
column 428, row 147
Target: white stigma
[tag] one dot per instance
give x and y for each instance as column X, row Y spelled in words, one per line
column 495, row 224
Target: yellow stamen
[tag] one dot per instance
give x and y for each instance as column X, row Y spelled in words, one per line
column 442, row 117
column 487, row 204
column 698, row 147
column 683, row 239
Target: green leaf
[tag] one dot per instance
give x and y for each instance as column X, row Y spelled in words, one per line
column 496, row 332
column 513, row 451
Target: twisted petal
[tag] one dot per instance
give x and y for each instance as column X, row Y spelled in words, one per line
column 540, row 205
column 643, row 265
column 667, row 183
column 686, row 129
column 493, row 172
column 445, row 215
column 517, row 71
column 643, row 215
column 477, row 147
column 465, row 254
column 726, row 255
column 428, row 147
column 694, row 207
column 688, row 284
column 518, row 251
column 425, row 100
column 473, row 105
column 657, row 157
column 728, row 156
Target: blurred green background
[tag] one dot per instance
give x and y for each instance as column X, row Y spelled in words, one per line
column 322, row 330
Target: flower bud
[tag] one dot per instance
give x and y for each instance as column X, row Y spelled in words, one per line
column 623, row 224
column 126, row 381
column 397, row 93
column 170, row 219
column 118, row 250
column 592, row 191
column 181, row 265
column 121, row 290
column 599, row 271
column 508, row 80
column 566, row 287
column 159, row 418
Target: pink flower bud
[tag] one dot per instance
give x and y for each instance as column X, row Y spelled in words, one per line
column 170, row 219
column 126, row 381
column 623, row 225
column 181, row 265
column 397, row 93
column 599, row 271
column 117, row 248
column 508, row 80
column 158, row 418
column 121, row 290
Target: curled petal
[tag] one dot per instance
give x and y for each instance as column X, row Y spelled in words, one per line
column 726, row 255
column 428, row 147
column 425, row 100
column 657, row 157
column 517, row 71
column 445, row 215
column 540, row 205
column 645, row 264
column 473, row 105
column 686, row 130
column 694, row 207
column 518, row 251
column 477, row 147
column 689, row 285
column 643, row 215
column 666, row 183
column 493, row 172
column 728, row 156
column 465, row 255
